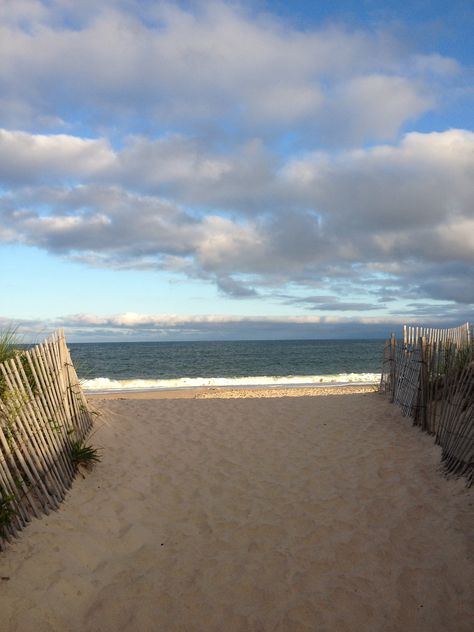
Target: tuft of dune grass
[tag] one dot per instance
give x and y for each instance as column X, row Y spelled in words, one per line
column 8, row 344
column 10, row 347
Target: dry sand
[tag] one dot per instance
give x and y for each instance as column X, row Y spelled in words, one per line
column 323, row 514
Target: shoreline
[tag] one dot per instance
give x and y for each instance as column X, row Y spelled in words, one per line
column 234, row 392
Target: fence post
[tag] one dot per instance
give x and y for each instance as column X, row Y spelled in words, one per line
column 393, row 371
column 423, row 394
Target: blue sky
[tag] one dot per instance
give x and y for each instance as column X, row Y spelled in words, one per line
column 200, row 170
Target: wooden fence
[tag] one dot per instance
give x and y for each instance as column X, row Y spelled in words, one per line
column 460, row 336
column 430, row 375
column 43, row 412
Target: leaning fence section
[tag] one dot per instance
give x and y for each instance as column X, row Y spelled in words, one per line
column 43, row 413
column 430, row 375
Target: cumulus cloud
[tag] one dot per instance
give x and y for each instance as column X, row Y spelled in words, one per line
column 219, row 142
column 382, row 102
column 208, row 65
column 29, row 158
column 109, row 227
column 411, row 201
column 388, row 210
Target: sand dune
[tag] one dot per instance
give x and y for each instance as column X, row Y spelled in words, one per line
column 282, row 514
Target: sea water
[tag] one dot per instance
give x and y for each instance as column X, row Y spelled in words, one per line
column 129, row 366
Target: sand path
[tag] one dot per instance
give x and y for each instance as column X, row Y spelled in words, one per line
column 325, row 514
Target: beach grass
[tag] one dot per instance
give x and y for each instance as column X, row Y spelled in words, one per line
column 11, row 347
column 8, row 349
column 82, row 454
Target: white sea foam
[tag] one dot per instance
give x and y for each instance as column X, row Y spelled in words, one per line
column 105, row 384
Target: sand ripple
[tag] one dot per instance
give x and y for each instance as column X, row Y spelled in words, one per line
column 282, row 514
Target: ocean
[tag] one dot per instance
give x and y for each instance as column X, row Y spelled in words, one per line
column 129, row 366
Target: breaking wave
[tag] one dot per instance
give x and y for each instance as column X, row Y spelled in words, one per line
column 105, row 384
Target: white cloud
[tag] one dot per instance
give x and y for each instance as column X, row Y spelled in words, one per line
column 213, row 326
column 26, row 158
column 22, row 12
column 437, row 64
column 421, row 183
column 382, row 103
column 192, row 111
column 168, row 160
column 209, row 67
column 314, row 217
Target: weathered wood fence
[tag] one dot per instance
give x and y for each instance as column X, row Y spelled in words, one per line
column 430, row 375
column 459, row 336
column 42, row 413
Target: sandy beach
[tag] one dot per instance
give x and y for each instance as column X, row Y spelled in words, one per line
column 232, row 510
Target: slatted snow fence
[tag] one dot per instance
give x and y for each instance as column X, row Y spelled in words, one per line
column 43, row 413
column 430, row 375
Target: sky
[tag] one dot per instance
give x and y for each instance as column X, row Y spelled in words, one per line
column 235, row 170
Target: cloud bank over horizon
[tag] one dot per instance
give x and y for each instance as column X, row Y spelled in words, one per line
column 175, row 327
column 222, row 144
